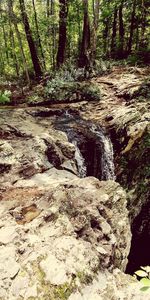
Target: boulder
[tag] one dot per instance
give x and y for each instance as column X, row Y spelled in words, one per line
column 81, row 229
column 32, row 150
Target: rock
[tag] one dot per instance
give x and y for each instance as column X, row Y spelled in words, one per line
column 7, row 157
column 20, row 286
column 55, row 271
column 27, row 214
column 7, row 235
column 69, row 166
column 9, row 267
column 30, row 150
column 6, row 149
column 74, row 232
column 32, row 292
column 5, row 168
column 53, row 177
column 85, row 232
column 114, row 286
column 135, row 132
column 67, row 149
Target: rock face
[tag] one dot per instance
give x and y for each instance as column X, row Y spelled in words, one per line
column 124, row 111
column 63, row 237
column 31, row 151
column 82, row 228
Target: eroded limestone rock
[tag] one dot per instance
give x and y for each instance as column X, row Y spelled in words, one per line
column 82, row 228
column 31, row 150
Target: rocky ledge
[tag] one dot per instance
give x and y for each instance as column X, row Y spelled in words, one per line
column 61, row 237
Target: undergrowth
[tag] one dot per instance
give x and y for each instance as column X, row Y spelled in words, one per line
column 5, row 97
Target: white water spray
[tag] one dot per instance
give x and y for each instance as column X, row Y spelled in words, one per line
column 107, row 157
column 80, row 161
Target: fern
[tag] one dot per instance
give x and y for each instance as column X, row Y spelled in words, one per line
column 5, row 97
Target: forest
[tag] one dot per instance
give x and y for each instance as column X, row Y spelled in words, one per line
column 39, row 36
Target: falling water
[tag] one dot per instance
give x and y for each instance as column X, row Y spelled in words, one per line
column 93, row 148
column 107, row 156
column 80, row 161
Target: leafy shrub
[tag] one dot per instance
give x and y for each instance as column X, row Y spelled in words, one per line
column 144, row 274
column 65, row 85
column 69, row 73
column 60, row 90
column 68, row 85
column 139, row 57
column 5, row 97
column 54, row 87
column 102, row 67
column 90, row 92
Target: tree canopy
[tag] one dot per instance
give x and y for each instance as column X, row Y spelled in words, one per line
column 40, row 35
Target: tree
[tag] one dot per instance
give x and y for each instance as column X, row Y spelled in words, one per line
column 84, row 57
column 31, row 43
column 114, row 33
column 62, row 32
column 13, row 47
column 51, row 30
column 13, row 18
column 132, row 26
column 38, row 34
column 121, row 32
column 96, row 8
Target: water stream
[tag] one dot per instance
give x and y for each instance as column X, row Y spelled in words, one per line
column 94, row 150
column 107, row 156
column 82, row 171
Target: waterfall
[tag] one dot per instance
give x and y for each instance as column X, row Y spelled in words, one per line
column 93, row 148
column 107, row 156
column 79, row 160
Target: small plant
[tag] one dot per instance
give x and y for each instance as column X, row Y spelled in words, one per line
column 60, row 89
column 5, row 97
column 144, row 274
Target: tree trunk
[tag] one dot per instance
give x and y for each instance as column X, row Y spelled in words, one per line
column 114, row 33
column 63, row 13
column 121, row 33
column 96, row 7
column 84, row 59
column 5, row 39
column 14, row 21
column 31, row 43
column 132, row 27
column 143, row 39
column 79, row 27
column 52, row 11
column 105, row 36
column 13, row 46
column 38, row 34
column 48, row 8
column 2, row 65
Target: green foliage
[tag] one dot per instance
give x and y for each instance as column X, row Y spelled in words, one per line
column 144, row 274
column 5, row 97
column 65, row 87
column 139, row 57
column 90, row 92
column 11, row 59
